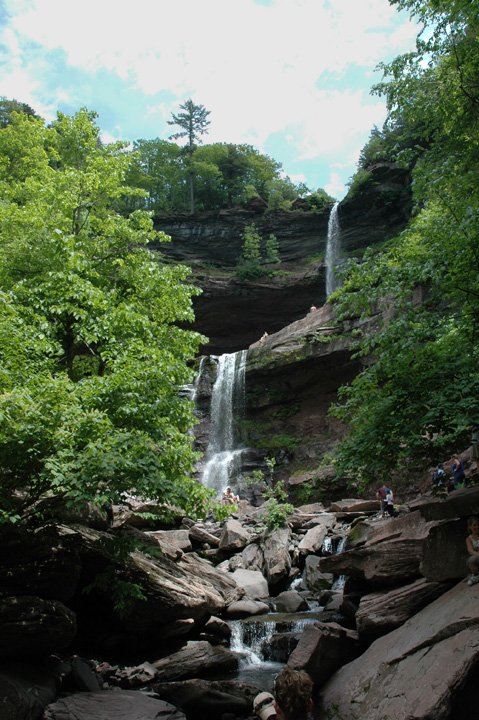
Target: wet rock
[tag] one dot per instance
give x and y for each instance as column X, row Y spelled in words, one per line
column 281, row 646
column 322, row 649
column 197, row 659
column 415, row 671
column 118, row 704
column 33, row 626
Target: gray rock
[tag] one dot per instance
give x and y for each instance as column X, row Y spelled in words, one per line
column 252, row 582
column 118, row 704
column 277, row 560
column 210, row 698
column 313, row 577
column 25, row 689
column 381, row 612
column 252, row 557
column 416, row 671
column 233, row 535
column 322, row 649
column 197, row 659
column 245, row 608
column 290, row 601
column 179, row 538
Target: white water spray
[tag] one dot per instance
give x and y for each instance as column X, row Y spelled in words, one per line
column 333, row 248
column 223, row 455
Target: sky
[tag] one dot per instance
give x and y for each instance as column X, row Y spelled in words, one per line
column 290, row 77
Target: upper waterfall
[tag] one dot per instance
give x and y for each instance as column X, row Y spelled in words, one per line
column 333, row 248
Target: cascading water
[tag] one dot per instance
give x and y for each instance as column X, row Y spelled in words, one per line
column 223, row 454
column 333, row 247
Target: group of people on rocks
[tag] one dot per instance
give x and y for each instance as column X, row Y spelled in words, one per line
column 442, row 483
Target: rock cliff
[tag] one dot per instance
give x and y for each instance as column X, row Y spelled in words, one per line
column 234, row 313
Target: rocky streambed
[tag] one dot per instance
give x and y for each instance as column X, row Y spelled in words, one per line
column 387, row 627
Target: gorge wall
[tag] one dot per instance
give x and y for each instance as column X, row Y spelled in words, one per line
column 234, row 313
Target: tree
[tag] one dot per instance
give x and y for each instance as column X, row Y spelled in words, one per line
column 419, row 399
column 92, row 358
column 194, row 124
column 7, row 107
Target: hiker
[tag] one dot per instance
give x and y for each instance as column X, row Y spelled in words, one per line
column 439, row 479
column 472, row 544
column 292, row 697
column 389, row 502
column 457, row 471
column 381, row 496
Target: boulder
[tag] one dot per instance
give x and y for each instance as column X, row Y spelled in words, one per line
column 417, row 671
column 314, row 579
column 252, row 582
column 381, row 612
column 391, row 554
column 354, row 506
column 197, row 659
column 40, row 564
column 200, row 536
column 313, row 540
column 252, row 557
column 118, row 704
column 178, row 538
column 281, row 645
column 444, row 554
column 210, row 699
column 233, row 535
column 32, row 626
column 304, row 513
column 25, row 689
column 245, row 608
column 216, row 626
column 322, row 649
column 458, row 504
column 277, row 560
column 290, row 601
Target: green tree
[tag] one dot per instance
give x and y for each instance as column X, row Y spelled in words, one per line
column 419, row 398
column 92, row 358
column 7, row 107
column 193, row 123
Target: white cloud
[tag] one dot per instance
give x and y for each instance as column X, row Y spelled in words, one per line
column 261, row 70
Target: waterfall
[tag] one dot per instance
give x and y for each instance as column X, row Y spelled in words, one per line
column 333, row 247
column 223, row 454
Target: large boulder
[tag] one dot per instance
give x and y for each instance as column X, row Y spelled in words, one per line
column 252, row 557
column 391, row 553
column 314, row 579
column 120, row 704
column 312, row 542
column 39, row 563
column 210, row 699
column 290, row 601
column 381, row 612
column 26, row 688
column 458, row 504
column 444, row 554
column 252, row 582
column 32, row 626
column 322, row 649
column 233, row 536
column 277, row 560
column 417, row 671
column 197, row 659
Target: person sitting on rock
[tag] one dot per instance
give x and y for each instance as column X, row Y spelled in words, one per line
column 229, row 498
column 472, row 544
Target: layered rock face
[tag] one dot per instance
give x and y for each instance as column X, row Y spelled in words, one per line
column 234, row 313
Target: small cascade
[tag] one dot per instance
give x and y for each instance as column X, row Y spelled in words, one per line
column 223, row 454
column 333, row 247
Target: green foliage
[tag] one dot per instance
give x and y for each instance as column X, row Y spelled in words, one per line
column 319, row 200
column 420, row 397
column 253, row 255
column 92, row 358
